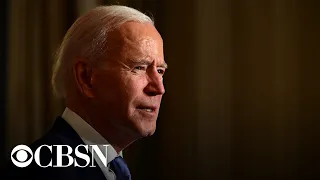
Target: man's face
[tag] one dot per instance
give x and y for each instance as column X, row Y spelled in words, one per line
column 129, row 90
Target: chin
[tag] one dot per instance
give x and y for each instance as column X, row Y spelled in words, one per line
column 149, row 132
column 142, row 126
column 146, row 130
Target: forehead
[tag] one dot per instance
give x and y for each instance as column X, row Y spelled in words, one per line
column 136, row 39
column 134, row 31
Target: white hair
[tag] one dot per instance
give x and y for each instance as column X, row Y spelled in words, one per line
column 87, row 38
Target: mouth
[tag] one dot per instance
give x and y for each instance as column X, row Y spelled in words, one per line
column 149, row 109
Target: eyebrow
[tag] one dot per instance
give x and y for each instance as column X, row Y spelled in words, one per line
column 146, row 62
column 164, row 65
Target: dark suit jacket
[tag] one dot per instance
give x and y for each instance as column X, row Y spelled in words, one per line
column 60, row 134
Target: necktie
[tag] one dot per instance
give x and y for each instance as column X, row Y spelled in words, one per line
column 120, row 168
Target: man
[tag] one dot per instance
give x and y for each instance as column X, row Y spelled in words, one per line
column 109, row 70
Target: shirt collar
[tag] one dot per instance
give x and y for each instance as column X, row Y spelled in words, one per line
column 88, row 134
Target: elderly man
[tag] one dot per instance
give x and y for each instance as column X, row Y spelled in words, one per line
column 109, row 70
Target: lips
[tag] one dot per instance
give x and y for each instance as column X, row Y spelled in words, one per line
column 147, row 108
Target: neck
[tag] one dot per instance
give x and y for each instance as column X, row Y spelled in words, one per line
column 116, row 136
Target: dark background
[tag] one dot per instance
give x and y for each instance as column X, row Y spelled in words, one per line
column 242, row 89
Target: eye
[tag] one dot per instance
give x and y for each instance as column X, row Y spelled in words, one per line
column 140, row 68
column 161, row 71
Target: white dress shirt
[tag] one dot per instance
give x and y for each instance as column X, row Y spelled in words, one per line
column 91, row 137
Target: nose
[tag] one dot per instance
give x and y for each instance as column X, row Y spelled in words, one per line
column 155, row 84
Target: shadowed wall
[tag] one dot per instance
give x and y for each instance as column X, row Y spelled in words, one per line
column 242, row 92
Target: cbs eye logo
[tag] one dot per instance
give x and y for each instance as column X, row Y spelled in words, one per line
column 21, row 156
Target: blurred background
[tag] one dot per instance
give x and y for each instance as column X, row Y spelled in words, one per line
column 242, row 90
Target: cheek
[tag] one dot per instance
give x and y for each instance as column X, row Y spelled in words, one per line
column 120, row 90
column 134, row 86
column 107, row 88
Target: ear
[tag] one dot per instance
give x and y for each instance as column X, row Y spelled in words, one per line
column 83, row 77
